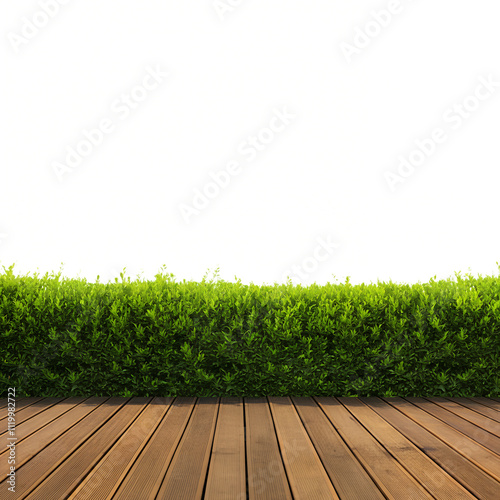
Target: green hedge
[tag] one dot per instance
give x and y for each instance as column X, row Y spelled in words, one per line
column 215, row 338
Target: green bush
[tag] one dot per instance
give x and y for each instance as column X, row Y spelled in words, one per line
column 214, row 338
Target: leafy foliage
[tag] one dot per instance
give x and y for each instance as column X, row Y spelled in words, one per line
column 214, row 338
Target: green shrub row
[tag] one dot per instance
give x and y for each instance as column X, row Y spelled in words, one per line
column 214, row 338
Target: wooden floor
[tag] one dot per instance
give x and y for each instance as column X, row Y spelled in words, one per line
column 259, row 448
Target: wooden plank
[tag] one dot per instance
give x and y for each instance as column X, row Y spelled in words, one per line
column 472, row 431
column 491, row 403
column 42, row 418
column 266, row 473
column 104, row 450
column 146, row 475
column 47, row 460
column 20, row 404
column 348, row 476
column 106, row 475
column 381, row 466
column 36, row 408
column 73, row 470
column 471, row 477
column 480, row 456
column 477, row 407
column 476, row 418
column 227, row 474
column 436, row 481
column 306, row 475
column 185, row 477
column 42, row 438
column 4, row 401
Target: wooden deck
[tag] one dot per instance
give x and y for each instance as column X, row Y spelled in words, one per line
column 259, row 448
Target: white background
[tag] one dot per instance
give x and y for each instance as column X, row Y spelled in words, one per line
column 323, row 176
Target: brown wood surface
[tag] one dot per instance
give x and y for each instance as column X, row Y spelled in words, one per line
column 186, row 475
column 4, row 401
column 75, row 468
column 348, row 476
column 24, row 414
column 40, row 417
column 471, row 477
column 226, row 476
column 108, row 473
column 265, row 471
column 478, row 408
column 492, row 403
column 33, row 474
column 381, row 466
column 465, row 445
column 20, row 403
column 473, row 431
column 470, row 415
column 146, row 476
column 307, row 477
column 436, row 481
column 49, row 433
column 274, row 448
